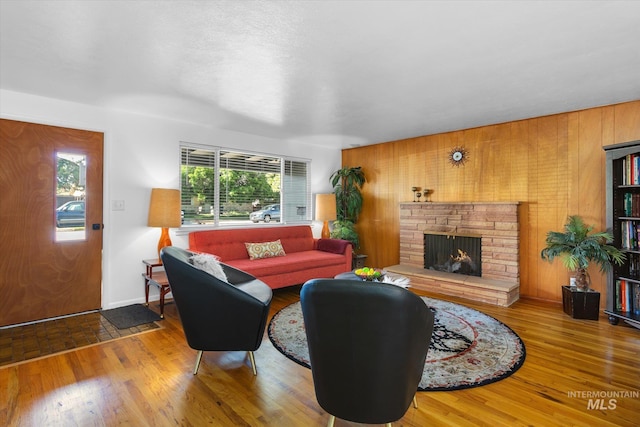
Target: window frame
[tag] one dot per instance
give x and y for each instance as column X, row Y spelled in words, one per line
column 287, row 163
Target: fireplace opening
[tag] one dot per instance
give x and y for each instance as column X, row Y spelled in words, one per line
column 453, row 253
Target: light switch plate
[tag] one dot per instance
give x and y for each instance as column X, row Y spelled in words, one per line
column 117, row 205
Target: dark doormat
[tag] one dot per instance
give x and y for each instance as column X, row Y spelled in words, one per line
column 130, row 316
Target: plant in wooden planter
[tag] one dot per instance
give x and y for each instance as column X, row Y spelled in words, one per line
column 577, row 248
column 347, row 183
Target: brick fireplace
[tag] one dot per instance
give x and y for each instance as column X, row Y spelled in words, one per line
column 497, row 225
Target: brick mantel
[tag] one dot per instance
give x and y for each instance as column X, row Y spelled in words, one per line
column 495, row 222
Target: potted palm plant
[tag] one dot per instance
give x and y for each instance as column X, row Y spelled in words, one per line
column 577, row 248
column 347, row 183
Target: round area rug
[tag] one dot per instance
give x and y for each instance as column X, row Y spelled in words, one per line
column 468, row 348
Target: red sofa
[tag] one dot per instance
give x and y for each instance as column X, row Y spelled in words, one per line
column 306, row 257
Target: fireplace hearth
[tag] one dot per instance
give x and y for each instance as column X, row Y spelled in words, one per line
column 453, row 253
column 496, row 226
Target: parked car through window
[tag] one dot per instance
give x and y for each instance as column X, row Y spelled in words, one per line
column 71, row 214
column 271, row 212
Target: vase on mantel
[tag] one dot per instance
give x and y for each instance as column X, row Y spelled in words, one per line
column 583, row 280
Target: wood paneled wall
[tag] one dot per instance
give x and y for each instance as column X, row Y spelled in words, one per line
column 554, row 165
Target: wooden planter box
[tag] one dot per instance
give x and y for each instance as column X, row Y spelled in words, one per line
column 581, row 305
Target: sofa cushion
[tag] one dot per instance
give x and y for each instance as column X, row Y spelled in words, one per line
column 210, row 264
column 265, row 250
column 228, row 244
column 292, row 262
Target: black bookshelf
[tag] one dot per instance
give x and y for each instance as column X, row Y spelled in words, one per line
column 623, row 219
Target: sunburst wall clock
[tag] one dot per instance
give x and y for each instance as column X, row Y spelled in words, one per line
column 458, row 155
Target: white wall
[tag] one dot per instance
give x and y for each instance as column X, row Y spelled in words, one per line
column 142, row 152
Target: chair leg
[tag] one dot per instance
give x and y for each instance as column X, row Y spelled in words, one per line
column 388, row 424
column 252, row 359
column 198, row 358
column 415, row 402
column 332, row 420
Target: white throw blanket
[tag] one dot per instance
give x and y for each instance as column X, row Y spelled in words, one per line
column 397, row 280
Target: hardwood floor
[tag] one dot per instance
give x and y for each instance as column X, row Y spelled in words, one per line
column 35, row 340
column 147, row 380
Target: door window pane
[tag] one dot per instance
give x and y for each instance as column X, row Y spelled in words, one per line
column 71, row 173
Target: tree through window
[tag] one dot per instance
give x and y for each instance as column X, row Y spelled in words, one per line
column 222, row 186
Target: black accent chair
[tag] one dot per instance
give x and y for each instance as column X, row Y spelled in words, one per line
column 368, row 343
column 216, row 315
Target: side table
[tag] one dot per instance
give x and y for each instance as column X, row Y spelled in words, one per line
column 157, row 279
column 358, row 261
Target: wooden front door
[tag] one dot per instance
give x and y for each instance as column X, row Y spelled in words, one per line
column 50, row 263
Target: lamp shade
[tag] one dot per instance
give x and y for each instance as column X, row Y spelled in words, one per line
column 325, row 211
column 326, row 207
column 164, row 208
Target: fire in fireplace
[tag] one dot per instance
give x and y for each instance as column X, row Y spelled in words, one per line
column 453, row 253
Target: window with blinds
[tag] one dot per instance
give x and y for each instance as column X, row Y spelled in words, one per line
column 226, row 187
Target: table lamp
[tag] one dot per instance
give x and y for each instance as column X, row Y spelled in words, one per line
column 326, row 211
column 164, row 212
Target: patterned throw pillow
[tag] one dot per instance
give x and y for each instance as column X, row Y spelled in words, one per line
column 210, row 264
column 265, row 250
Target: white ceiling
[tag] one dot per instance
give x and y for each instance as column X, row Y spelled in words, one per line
column 338, row 73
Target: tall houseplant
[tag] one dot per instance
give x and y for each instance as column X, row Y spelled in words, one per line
column 577, row 248
column 347, row 183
